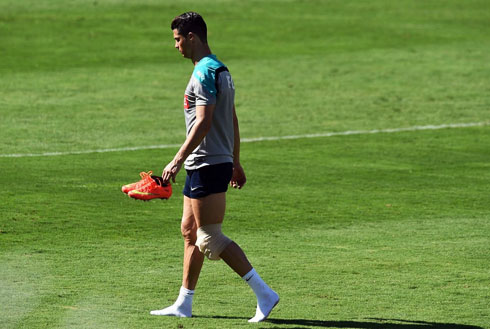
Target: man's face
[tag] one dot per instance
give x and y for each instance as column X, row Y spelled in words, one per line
column 182, row 44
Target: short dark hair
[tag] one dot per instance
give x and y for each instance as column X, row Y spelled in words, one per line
column 191, row 22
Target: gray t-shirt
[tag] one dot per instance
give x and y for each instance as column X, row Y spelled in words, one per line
column 205, row 88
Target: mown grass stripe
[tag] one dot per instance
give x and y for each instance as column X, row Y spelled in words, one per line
column 258, row 139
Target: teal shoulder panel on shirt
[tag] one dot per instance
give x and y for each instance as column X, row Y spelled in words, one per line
column 205, row 72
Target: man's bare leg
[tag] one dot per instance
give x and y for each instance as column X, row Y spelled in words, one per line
column 193, row 258
column 235, row 258
column 193, row 261
column 211, row 210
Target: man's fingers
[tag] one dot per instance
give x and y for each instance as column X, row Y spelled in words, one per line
column 166, row 177
column 236, row 184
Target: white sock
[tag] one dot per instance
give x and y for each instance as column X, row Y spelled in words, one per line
column 182, row 306
column 266, row 297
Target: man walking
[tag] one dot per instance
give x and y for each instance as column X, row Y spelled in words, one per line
column 211, row 157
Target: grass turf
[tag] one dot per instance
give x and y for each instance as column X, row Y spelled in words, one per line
column 368, row 231
column 384, row 237
column 110, row 67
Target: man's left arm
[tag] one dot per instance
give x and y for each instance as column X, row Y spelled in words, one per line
column 204, row 120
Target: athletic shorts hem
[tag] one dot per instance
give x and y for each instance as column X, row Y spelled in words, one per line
column 208, row 180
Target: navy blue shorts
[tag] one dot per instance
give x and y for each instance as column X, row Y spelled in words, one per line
column 208, row 180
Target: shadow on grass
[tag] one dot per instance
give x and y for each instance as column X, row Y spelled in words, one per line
column 376, row 323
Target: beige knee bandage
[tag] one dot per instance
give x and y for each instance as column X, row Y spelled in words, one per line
column 211, row 241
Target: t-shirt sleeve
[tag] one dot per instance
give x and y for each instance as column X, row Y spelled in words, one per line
column 204, row 87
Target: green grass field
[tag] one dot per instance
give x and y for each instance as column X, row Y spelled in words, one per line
column 371, row 231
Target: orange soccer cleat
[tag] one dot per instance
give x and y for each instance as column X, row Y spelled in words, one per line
column 154, row 189
column 145, row 179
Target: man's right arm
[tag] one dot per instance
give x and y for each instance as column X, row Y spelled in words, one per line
column 238, row 179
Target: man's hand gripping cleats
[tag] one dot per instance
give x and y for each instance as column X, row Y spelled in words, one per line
column 145, row 179
column 154, row 189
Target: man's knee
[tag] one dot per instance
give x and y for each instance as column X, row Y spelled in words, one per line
column 211, row 241
column 188, row 230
